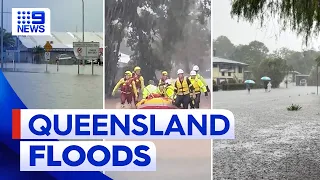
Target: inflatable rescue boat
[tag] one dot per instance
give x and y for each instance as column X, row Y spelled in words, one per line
column 155, row 101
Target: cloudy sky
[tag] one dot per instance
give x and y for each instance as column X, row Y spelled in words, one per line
column 243, row 32
column 66, row 15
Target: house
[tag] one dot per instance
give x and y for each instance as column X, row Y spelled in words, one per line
column 291, row 76
column 226, row 70
column 301, row 79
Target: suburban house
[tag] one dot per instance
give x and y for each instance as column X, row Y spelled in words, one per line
column 226, row 70
column 291, row 76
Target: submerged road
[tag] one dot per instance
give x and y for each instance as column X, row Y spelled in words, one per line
column 271, row 142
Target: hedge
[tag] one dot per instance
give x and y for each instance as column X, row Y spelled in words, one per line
column 237, row 86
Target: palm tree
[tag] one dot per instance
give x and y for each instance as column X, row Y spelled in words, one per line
column 8, row 40
column 38, row 52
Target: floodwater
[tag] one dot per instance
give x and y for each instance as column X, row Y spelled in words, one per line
column 271, row 142
column 176, row 159
column 63, row 89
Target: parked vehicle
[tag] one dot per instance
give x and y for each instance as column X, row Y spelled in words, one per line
column 65, row 59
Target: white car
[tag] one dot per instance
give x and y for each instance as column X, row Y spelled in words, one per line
column 65, row 59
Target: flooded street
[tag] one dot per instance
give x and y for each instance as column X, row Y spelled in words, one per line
column 62, row 89
column 271, row 142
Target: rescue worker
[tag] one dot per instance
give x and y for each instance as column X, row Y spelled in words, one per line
column 196, row 69
column 128, row 89
column 184, row 89
column 198, row 88
column 150, row 91
column 139, row 81
column 164, row 77
column 169, row 90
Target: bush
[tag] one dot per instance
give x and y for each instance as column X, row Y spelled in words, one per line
column 215, row 87
column 239, row 86
column 230, row 87
column 294, row 107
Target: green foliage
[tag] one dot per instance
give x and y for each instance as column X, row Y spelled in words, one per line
column 38, row 53
column 294, row 107
column 152, row 28
column 232, row 81
column 275, row 68
column 8, row 40
column 312, row 79
column 302, row 16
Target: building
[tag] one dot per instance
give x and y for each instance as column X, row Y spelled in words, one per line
column 291, row 76
column 62, row 43
column 301, row 79
column 226, row 70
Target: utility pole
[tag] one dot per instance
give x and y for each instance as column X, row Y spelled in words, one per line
column 318, row 78
column 2, row 31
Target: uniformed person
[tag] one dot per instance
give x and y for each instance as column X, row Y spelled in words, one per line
column 139, row 81
column 150, row 90
column 128, row 89
column 198, row 88
column 196, row 69
column 163, row 78
column 184, row 89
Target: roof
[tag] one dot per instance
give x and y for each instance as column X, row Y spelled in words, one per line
column 228, row 61
column 303, row 75
column 61, row 40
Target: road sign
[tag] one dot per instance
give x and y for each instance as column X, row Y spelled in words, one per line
column 79, row 50
column 47, row 46
column 86, row 50
column 47, row 56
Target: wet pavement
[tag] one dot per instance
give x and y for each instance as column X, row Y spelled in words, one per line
column 63, row 89
column 271, row 142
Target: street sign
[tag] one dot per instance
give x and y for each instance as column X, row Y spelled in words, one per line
column 47, row 56
column 47, row 46
column 86, row 50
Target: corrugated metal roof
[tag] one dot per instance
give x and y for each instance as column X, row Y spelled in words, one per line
column 222, row 60
column 61, row 40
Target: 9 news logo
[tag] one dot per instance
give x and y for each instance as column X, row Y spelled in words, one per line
column 31, row 21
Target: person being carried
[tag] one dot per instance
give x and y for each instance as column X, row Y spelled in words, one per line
column 150, row 91
column 196, row 69
column 139, row 81
column 128, row 89
column 198, row 88
column 184, row 89
column 168, row 90
column 163, row 78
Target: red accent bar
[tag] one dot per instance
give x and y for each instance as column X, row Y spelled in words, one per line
column 16, row 124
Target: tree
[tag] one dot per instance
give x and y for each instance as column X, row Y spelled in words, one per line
column 148, row 25
column 275, row 68
column 252, row 54
column 299, row 15
column 38, row 53
column 8, row 40
column 223, row 47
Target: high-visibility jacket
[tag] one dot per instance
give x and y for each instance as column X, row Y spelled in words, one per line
column 162, row 81
column 198, row 85
column 139, row 80
column 127, row 86
column 150, row 89
column 183, row 87
column 202, row 79
column 169, row 92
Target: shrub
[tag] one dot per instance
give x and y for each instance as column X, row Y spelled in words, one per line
column 294, row 107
